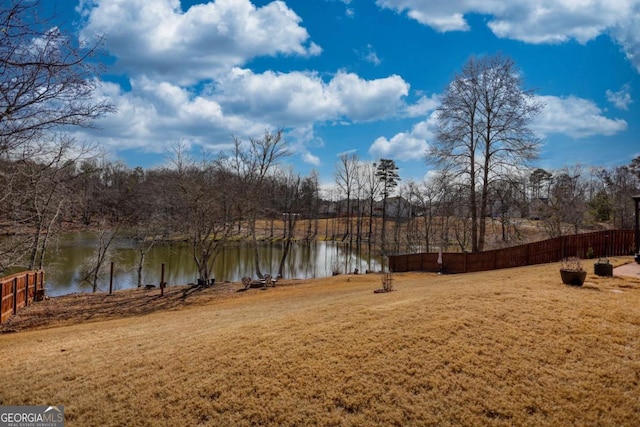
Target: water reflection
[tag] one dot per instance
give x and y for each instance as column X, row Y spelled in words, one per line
column 65, row 263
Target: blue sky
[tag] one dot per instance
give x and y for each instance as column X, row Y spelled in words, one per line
column 355, row 75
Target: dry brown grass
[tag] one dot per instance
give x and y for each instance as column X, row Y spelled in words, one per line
column 502, row 348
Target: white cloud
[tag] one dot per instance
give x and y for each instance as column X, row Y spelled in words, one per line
column 349, row 11
column 406, row 146
column 366, row 100
column 572, row 116
column 299, row 98
column 575, row 117
column 371, row 56
column 187, row 81
column 411, row 145
column 622, row 98
column 311, row 159
column 535, row 21
column 423, row 106
column 154, row 115
column 158, row 37
column 402, row 146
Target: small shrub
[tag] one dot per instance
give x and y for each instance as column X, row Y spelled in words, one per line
column 590, row 253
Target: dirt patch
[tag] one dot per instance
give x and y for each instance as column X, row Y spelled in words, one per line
column 86, row 307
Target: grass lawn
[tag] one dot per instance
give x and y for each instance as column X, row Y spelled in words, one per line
column 507, row 347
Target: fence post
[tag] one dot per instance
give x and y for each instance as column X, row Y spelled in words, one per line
column 111, row 280
column 15, row 295
column 26, row 290
column 162, row 280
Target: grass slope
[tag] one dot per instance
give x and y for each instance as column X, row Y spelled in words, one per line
column 508, row 347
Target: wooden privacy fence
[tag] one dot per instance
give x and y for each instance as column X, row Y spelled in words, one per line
column 599, row 244
column 19, row 290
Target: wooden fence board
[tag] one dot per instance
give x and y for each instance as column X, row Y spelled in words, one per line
column 600, row 243
column 19, row 290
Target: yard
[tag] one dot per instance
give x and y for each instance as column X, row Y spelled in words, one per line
column 507, row 347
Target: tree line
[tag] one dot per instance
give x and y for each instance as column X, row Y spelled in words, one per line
column 438, row 211
column 211, row 199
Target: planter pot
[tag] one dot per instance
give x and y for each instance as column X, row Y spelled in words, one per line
column 572, row 277
column 638, row 258
column 603, row 269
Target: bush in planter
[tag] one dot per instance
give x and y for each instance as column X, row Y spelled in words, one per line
column 572, row 272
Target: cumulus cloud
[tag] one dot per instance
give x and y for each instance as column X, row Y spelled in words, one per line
column 423, row 106
column 402, row 146
column 298, row 98
column 572, row 116
column 155, row 114
column 622, row 98
column 406, row 146
column 575, row 117
column 186, row 81
column 535, row 21
column 411, row 145
column 159, row 37
column 366, row 100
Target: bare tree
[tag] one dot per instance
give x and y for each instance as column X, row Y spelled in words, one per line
column 290, row 199
column 402, row 215
column 345, row 175
column 371, row 190
column 203, row 207
column 40, row 182
column 619, row 184
column 425, row 196
column 94, row 267
column 144, row 237
column 483, row 131
column 507, row 201
column 567, row 202
column 311, row 205
column 252, row 163
column 413, row 230
column 46, row 81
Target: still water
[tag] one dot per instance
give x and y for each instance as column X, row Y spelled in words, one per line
column 67, row 260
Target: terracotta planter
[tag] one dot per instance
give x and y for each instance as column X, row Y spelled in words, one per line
column 572, row 277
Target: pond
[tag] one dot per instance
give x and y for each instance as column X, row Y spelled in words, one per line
column 68, row 258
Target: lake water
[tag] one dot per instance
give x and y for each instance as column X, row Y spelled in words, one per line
column 65, row 261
